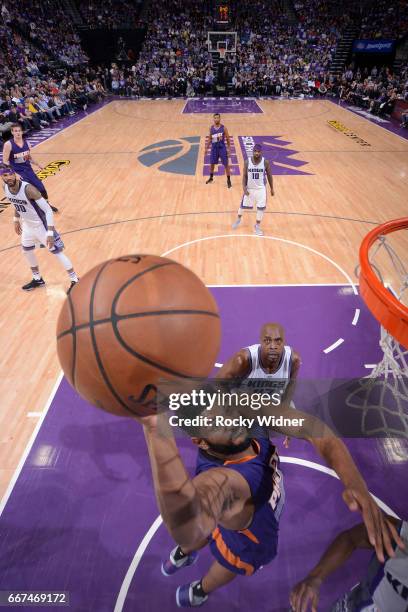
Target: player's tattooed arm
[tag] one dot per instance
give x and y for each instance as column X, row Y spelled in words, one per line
column 269, row 175
column 237, row 367
column 245, row 178
column 17, row 225
column 190, row 508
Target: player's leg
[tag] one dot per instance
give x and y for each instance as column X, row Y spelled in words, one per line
column 196, row 593
column 181, row 557
column 260, row 200
column 41, row 235
column 213, row 160
column 28, row 245
column 224, row 160
column 246, row 204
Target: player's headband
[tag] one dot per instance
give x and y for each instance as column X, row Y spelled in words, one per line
column 6, row 170
column 257, row 147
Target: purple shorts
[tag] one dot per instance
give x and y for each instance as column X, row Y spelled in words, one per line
column 30, row 176
column 219, row 151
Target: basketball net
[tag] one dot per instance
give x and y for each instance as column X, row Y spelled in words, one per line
column 222, row 51
column 382, row 396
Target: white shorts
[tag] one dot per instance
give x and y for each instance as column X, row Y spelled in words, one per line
column 257, row 197
column 35, row 234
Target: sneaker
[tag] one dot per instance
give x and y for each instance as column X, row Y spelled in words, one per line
column 54, row 209
column 236, row 224
column 73, row 283
column 176, row 561
column 33, row 284
column 187, row 598
column 210, row 180
column 257, row 230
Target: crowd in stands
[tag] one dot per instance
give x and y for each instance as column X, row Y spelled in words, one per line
column 47, row 25
column 110, row 13
column 277, row 53
column 385, row 19
column 376, row 90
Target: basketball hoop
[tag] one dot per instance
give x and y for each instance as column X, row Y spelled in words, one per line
column 382, row 397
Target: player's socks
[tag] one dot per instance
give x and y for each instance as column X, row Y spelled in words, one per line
column 237, row 222
column 229, row 185
column 191, row 595
column 177, row 559
column 257, row 230
column 73, row 277
column 210, row 180
column 34, row 284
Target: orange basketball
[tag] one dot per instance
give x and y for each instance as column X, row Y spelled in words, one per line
column 132, row 322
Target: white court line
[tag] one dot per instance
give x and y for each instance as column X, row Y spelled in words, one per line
column 356, row 316
column 135, row 563
column 370, row 366
column 34, row 414
column 29, row 445
column 218, row 365
column 333, row 346
column 292, row 242
column 120, row 601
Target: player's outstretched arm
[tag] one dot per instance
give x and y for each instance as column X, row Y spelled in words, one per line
column 32, row 193
column 356, row 494
column 190, row 508
column 238, row 366
column 306, row 592
column 245, row 178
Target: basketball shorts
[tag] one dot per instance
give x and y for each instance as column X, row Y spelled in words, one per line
column 35, row 234
column 244, row 552
column 256, row 197
column 219, row 152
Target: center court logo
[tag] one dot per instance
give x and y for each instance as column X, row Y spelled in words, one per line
column 177, row 156
column 276, row 151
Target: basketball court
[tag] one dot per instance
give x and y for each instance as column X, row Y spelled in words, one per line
column 78, row 511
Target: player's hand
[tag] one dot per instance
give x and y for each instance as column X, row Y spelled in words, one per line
column 381, row 533
column 305, row 593
column 272, row 192
column 246, row 192
column 286, row 442
column 50, row 242
column 17, row 228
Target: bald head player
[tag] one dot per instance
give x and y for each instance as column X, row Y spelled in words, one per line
column 269, row 366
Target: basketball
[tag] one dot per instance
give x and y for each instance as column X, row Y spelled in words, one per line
column 130, row 324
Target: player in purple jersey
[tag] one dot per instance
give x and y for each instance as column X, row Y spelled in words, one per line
column 17, row 154
column 217, row 137
column 234, row 501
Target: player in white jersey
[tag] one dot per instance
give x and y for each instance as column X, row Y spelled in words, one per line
column 384, row 587
column 267, row 367
column 256, row 168
column 34, row 222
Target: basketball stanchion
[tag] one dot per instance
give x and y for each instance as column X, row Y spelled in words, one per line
column 382, row 397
